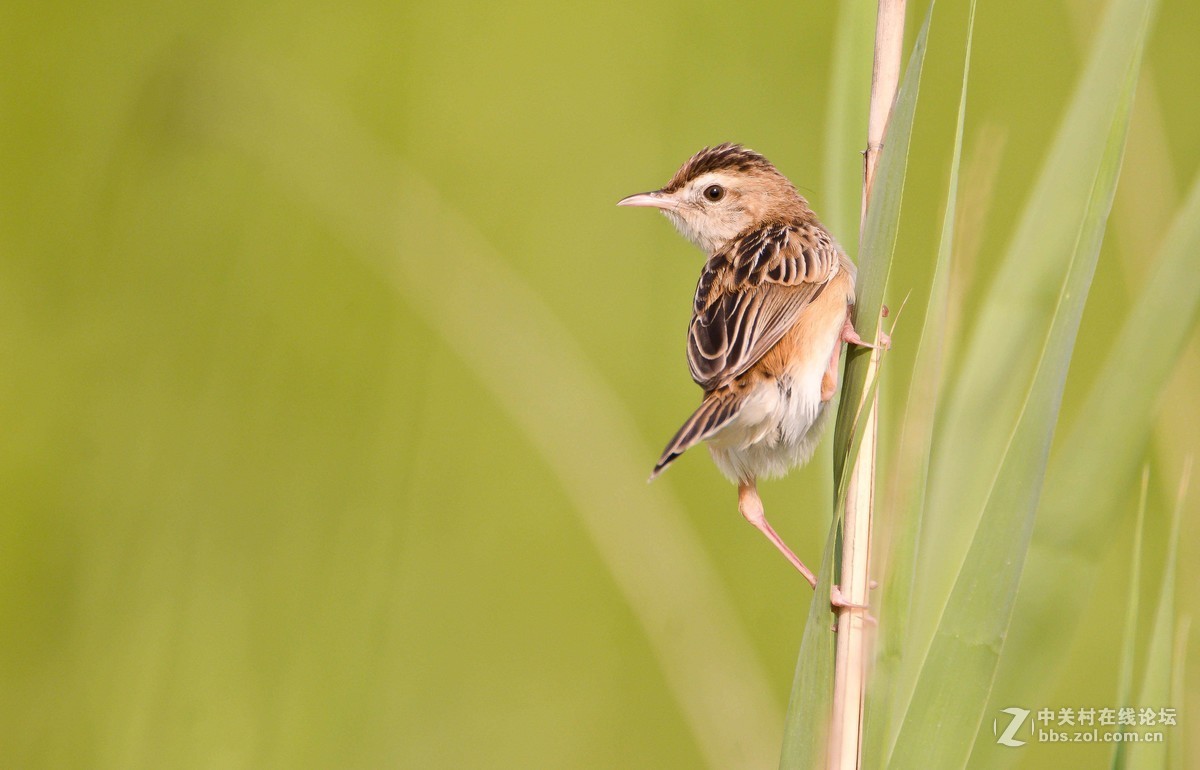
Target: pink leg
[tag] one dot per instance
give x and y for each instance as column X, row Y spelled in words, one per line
column 850, row 335
column 752, row 508
column 829, row 380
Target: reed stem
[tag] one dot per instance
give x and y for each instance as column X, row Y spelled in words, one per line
column 853, row 644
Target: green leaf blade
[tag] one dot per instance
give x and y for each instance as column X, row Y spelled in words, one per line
column 806, row 728
column 875, row 258
column 998, row 362
column 849, row 80
column 904, row 509
column 956, row 676
column 1161, row 657
column 1078, row 517
column 1129, row 636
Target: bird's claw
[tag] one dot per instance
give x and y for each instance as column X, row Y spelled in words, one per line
column 839, row 601
column 850, row 335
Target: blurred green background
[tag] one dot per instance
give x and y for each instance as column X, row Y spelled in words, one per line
column 332, row 376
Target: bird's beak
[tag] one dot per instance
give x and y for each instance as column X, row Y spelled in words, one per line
column 656, row 199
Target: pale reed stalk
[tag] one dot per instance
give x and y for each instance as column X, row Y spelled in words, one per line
column 850, row 673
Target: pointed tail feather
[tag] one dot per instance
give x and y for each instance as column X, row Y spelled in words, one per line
column 717, row 411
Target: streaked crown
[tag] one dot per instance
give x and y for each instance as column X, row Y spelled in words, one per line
column 728, row 157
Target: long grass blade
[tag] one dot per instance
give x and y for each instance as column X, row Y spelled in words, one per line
column 1129, row 635
column 875, row 258
column 806, row 728
column 902, row 512
column 1178, row 687
column 398, row 224
column 850, row 78
column 1160, row 655
column 956, row 676
column 811, row 695
column 1092, row 462
column 998, row 361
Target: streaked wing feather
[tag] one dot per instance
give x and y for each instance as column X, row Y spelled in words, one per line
column 714, row 413
column 751, row 293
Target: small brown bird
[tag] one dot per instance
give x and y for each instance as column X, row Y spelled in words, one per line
column 770, row 314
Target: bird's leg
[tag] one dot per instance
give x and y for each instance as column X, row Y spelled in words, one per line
column 752, row 508
column 829, row 380
column 850, row 335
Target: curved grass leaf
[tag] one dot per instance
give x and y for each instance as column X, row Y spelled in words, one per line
column 806, row 728
column 1129, row 636
column 810, row 700
column 1178, row 688
column 875, row 257
column 1092, row 462
column 365, row 194
column 957, row 673
column 903, row 510
column 1160, row 656
column 849, row 79
column 1000, row 357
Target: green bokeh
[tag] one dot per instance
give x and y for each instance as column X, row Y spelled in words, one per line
column 258, row 511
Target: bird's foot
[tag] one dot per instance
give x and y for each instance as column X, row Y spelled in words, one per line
column 850, row 335
column 839, row 601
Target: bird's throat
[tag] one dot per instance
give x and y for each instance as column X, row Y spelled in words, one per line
column 696, row 235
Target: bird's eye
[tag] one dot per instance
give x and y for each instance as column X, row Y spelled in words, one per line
column 714, row 192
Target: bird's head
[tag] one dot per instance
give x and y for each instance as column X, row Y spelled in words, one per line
column 720, row 193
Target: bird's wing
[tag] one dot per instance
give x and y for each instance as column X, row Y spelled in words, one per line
column 717, row 410
column 751, row 293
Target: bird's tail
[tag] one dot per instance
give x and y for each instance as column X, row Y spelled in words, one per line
column 715, row 413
